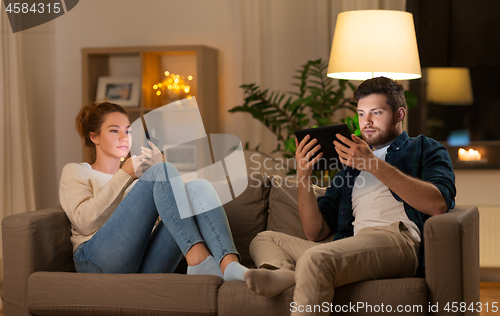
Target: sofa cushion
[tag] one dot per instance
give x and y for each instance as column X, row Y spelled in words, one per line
column 407, row 293
column 236, row 299
column 283, row 207
column 247, row 214
column 64, row 293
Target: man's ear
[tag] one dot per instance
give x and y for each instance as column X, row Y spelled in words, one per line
column 401, row 113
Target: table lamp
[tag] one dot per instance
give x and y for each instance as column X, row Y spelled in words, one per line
column 449, row 86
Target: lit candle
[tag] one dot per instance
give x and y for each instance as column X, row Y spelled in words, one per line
column 469, row 155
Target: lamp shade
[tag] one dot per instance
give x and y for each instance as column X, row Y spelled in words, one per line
column 373, row 43
column 449, row 86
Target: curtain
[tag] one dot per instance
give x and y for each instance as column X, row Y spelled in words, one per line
column 278, row 37
column 16, row 172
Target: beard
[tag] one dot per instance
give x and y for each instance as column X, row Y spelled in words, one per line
column 382, row 137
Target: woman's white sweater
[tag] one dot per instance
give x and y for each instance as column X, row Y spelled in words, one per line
column 89, row 197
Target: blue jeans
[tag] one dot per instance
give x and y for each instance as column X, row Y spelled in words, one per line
column 126, row 242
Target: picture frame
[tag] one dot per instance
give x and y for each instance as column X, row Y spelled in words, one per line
column 124, row 91
column 183, row 157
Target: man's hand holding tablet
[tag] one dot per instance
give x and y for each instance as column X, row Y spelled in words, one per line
column 315, row 148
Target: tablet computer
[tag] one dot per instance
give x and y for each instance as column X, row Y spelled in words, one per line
column 325, row 136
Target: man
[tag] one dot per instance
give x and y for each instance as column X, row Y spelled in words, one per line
column 376, row 207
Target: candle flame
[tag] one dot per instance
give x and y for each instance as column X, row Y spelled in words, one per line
column 469, row 155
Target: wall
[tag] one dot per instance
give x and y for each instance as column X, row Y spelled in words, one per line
column 457, row 33
column 481, row 187
column 258, row 41
column 39, row 66
column 52, row 55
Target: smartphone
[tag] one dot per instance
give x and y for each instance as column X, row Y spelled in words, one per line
column 153, row 140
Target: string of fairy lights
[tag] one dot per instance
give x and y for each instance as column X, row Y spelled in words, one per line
column 174, row 85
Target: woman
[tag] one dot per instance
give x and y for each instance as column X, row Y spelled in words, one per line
column 112, row 220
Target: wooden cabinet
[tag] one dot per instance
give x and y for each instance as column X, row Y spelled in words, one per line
column 149, row 64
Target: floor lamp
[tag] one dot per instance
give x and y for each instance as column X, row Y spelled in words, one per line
column 373, row 43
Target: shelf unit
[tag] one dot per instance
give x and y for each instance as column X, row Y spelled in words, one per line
column 148, row 64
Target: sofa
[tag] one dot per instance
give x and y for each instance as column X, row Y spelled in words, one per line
column 40, row 278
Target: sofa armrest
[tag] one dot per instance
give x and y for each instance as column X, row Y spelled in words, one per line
column 452, row 257
column 33, row 241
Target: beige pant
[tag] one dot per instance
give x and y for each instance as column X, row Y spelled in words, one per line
column 381, row 252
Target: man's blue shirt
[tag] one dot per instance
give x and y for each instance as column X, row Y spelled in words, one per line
column 419, row 157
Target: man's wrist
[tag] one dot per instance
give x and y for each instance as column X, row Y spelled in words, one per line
column 304, row 181
column 382, row 169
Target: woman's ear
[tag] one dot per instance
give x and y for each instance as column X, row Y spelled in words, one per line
column 94, row 138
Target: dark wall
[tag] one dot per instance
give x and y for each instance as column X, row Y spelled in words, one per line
column 457, row 33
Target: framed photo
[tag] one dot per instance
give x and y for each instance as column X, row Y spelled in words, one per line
column 124, row 91
column 183, row 157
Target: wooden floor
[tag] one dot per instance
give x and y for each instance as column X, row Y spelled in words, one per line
column 490, row 296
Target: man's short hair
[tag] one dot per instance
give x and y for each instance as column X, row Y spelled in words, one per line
column 393, row 90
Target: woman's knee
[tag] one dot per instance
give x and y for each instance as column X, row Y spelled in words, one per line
column 199, row 184
column 171, row 169
column 202, row 188
column 203, row 193
column 163, row 170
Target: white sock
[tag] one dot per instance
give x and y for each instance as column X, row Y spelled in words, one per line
column 234, row 272
column 207, row 266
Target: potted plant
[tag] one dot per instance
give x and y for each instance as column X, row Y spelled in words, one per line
column 315, row 104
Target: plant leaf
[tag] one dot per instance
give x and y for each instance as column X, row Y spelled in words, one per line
column 411, row 99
